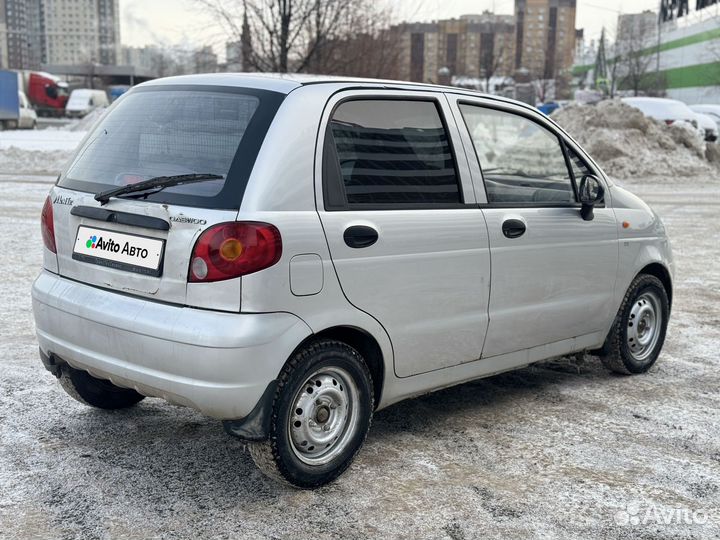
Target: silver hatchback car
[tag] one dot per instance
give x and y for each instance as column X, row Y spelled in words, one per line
column 291, row 254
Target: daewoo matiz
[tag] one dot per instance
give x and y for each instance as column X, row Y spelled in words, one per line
column 291, row 254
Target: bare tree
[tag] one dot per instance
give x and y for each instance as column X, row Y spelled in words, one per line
column 492, row 56
column 367, row 47
column 635, row 61
column 288, row 35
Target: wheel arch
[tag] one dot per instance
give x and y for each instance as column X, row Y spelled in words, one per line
column 364, row 343
column 661, row 272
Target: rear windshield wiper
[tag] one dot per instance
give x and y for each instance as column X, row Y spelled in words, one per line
column 159, row 183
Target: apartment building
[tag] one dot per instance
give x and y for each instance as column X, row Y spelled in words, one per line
column 19, row 34
column 545, row 37
column 35, row 32
column 81, row 31
column 472, row 46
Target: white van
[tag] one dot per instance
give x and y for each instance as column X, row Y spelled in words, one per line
column 84, row 100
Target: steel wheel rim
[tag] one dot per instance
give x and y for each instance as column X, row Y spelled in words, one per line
column 643, row 325
column 324, row 416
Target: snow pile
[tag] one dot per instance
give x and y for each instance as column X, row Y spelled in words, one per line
column 628, row 144
column 87, row 122
column 15, row 160
column 37, row 151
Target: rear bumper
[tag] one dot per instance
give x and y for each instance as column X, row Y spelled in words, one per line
column 218, row 363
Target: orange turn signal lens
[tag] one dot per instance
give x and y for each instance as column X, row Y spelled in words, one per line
column 626, row 224
column 231, row 249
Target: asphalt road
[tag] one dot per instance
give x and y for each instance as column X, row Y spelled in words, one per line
column 558, row 450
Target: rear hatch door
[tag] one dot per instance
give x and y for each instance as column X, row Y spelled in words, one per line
column 141, row 243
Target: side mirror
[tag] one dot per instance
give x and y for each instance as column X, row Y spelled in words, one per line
column 591, row 193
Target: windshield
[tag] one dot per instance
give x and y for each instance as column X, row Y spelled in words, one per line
column 167, row 132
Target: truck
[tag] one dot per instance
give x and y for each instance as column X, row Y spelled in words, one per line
column 15, row 109
column 46, row 92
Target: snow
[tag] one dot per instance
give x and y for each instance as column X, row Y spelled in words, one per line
column 43, row 151
column 627, row 144
column 554, row 450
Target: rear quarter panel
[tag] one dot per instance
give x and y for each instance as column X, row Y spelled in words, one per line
column 281, row 191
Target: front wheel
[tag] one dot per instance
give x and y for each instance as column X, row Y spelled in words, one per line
column 638, row 333
column 321, row 414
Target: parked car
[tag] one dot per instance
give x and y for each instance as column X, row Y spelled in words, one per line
column 83, row 101
column 291, row 254
column 548, row 108
column 708, row 126
column 117, row 90
column 662, row 109
column 711, row 110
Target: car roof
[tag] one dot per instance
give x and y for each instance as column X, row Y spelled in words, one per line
column 287, row 82
column 650, row 100
column 705, row 107
column 86, row 92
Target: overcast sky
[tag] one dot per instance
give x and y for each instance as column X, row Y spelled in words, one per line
column 179, row 22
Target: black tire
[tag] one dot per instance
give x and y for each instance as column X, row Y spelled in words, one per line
column 278, row 456
column 617, row 354
column 88, row 390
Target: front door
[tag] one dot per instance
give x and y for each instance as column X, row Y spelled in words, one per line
column 553, row 273
column 407, row 239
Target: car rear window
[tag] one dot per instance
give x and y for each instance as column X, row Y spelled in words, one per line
column 167, row 131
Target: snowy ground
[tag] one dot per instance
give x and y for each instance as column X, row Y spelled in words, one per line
column 563, row 449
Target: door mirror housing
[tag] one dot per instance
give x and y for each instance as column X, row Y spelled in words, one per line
column 591, row 193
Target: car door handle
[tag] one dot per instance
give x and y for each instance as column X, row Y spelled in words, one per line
column 513, row 228
column 360, row 236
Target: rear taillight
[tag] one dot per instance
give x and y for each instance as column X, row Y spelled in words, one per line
column 47, row 226
column 235, row 249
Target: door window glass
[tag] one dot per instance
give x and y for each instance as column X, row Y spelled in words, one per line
column 579, row 167
column 522, row 162
column 389, row 153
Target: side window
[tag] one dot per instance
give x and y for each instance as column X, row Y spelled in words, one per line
column 521, row 161
column 388, row 154
column 579, row 167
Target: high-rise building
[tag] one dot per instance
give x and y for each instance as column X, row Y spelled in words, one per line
column 233, row 56
column 34, row 32
column 545, row 36
column 206, row 61
column 81, row 31
column 636, row 31
column 474, row 46
column 19, row 45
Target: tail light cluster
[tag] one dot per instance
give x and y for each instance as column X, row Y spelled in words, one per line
column 230, row 250
column 47, row 226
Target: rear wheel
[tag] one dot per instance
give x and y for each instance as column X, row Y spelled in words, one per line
column 321, row 415
column 638, row 333
column 96, row 392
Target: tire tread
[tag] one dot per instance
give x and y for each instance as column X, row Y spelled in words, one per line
column 612, row 355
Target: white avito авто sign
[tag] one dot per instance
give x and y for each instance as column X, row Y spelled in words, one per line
column 127, row 249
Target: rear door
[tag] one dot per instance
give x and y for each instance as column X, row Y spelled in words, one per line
column 142, row 246
column 553, row 272
column 408, row 242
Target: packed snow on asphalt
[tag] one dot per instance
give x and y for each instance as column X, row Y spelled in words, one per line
column 560, row 449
